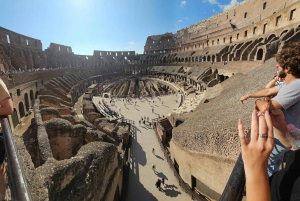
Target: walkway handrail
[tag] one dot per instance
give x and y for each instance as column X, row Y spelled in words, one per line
column 236, row 183
column 19, row 187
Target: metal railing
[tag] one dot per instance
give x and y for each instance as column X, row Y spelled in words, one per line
column 235, row 186
column 18, row 184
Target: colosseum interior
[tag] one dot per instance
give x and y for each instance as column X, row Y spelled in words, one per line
column 71, row 148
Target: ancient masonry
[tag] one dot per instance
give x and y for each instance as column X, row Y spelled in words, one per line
column 85, row 152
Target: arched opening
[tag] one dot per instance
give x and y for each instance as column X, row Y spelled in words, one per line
column 14, row 118
column 221, row 78
column 21, row 110
column 36, row 94
column 208, row 58
column 165, row 59
column 283, row 32
column 31, row 97
column 213, row 58
column 259, row 55
column 298, row 28
column 270, row 37
column 26, row 101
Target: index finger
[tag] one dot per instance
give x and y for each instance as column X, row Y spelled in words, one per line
column 254, row 126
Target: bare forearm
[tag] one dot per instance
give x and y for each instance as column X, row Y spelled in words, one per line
column 271, row 84
column 262, row 93
column 257, row 185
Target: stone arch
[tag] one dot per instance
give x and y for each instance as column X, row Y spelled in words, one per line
column 297, row 28
column 26, row 101
column 186, row 59
column 260, row 54
column 204, row 58
column 15, row 118
column 231, row 56
column 281, row 34
column 271, row 37
column 221, row 78
column 164, row 59
column 213, row 58
column 208, row 58
column 21, row 109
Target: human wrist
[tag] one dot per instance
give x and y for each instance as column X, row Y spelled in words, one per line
column 256, row 171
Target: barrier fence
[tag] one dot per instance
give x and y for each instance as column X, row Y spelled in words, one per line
column 17, row 180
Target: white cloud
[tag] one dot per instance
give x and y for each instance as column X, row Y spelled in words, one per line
column 213, row 10
column 131, row 43
column 212, row 1
column 182, row 3
column 222, row 6
column 227, row 6
column 179, row 21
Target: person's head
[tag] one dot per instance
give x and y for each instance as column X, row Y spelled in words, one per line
column 289, row 59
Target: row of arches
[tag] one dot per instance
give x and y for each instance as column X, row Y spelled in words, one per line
column 258, row 53
column 22, row 108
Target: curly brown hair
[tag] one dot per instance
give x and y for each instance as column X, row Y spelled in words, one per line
column 290, row 57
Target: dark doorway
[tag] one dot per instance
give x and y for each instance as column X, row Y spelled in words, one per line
column 31, row 98
column 259, row 55
column 26, row 101
column 21, row 110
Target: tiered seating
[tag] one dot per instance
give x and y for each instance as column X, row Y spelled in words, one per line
column 104, row 109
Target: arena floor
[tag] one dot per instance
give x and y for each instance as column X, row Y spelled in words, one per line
column 141, row 176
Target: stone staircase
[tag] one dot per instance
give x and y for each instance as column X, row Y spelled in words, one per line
column 165, row 124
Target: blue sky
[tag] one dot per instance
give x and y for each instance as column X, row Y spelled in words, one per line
column 112, row 25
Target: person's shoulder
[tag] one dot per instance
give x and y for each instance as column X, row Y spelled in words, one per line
column 295, row 82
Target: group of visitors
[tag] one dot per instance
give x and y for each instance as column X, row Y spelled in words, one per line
column 263, row 154
column 145, row 121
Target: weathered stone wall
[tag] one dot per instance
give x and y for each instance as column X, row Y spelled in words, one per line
column 211, row 170
column 72, row 157
column 7, row 36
